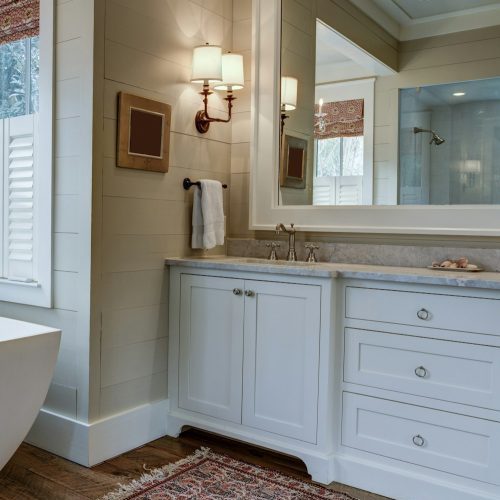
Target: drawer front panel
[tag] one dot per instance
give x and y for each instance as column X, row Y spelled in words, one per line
column 450, row 371
column 466, row 446
column 449, row 312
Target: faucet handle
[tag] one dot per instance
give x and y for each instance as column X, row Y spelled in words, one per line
column 311, row 256
column 273, row 245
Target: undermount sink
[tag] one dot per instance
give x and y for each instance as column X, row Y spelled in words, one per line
column 255, row 260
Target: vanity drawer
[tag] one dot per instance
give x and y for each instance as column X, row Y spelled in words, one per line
column 441, row 369
column 466, row 446
column 449, row 312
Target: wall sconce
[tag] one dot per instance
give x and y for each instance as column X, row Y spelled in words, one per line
column 225, row 71
column 289, row 86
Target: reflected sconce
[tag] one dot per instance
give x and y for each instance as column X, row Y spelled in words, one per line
column 224, row 72
column 320, row 118
column 289, row 86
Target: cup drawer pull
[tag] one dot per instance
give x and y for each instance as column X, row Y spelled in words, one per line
column 423, row 314
column 420, row 372
column 418, row 440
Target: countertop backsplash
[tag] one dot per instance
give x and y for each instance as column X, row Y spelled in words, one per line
column 360, row 253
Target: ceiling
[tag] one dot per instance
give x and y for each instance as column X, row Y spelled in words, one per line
column 411, row 19
column 421, row 9
column 422, row 98
column 325, row 46
column 337, row 58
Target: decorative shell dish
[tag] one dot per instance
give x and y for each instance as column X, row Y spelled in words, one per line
column 461, row 265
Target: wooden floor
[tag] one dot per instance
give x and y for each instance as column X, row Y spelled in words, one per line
column 36, row 474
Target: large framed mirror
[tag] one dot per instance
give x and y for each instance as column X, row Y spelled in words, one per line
column 354, row 131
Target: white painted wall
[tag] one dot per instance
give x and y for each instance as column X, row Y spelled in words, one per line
column 139, row 217
column 68, row 394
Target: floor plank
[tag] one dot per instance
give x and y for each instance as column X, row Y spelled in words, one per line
column 34, row 474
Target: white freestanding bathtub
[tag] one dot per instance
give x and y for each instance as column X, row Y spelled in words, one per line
column 28, row 354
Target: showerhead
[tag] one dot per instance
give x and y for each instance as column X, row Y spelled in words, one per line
column 436, row 139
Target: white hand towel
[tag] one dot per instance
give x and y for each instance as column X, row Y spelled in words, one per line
column 208, row 216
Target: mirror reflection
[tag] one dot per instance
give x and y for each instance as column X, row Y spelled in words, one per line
column 439, row 146
column 449, row 144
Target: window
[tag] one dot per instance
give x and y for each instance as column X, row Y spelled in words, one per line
column 19, row 78
column 339, row 156
column 343, row 143
column 26, row 46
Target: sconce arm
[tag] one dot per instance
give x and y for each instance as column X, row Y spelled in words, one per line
column 203, row 119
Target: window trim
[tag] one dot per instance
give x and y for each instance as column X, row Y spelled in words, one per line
column 40, row 293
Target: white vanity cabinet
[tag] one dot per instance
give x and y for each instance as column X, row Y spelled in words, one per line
column 211, row 346
column 421, row 390
column 281, row 358
column 388, row 386
column 246, row 359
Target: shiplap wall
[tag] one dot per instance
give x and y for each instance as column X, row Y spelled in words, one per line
column 241, row 133
column 139, row 217
column 298, row 59
column 68, row 394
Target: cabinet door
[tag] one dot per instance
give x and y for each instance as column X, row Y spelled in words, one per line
column 211, row 346
column 280, row 383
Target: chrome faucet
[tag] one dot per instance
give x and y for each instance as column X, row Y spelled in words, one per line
column 292, row 255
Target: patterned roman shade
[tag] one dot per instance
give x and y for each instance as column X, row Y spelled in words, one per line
column 19, row 19
column 339, row 119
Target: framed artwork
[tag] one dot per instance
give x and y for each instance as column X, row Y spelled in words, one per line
column 293, row 162
column 143, row 140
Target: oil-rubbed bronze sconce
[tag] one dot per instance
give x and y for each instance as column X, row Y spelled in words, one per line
column 224, row 71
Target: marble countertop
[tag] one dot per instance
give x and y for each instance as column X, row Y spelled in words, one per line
column 490, row 280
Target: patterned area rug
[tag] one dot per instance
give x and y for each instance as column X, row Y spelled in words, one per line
column 206, row 475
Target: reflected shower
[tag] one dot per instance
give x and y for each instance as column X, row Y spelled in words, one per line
column 435, row 137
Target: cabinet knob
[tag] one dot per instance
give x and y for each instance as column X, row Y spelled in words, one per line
column 423, row 314
column 237, row 291
column 421, row 372
column 418, row 440
column 249, row 293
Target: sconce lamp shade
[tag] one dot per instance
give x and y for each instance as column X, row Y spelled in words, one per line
column 207, row 64
column 288, row 93
column 232, row 73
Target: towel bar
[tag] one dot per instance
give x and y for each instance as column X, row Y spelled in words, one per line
column 187, row 183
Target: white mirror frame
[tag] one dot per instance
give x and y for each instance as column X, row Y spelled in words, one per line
column 265, row 212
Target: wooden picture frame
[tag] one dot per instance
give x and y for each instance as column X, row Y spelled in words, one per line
column 143, row 140
column 293, row 162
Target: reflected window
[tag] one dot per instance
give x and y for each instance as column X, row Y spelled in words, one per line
column 339, row 156
column 338, row 133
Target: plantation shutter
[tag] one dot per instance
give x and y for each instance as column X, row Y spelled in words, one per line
column 349, row 189
column 19, row 200
column 324, row 191
column 338, row 190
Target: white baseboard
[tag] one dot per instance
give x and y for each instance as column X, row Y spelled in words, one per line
column 407, row 485
column 117, row 434
column 60, row 435
column 90, row 444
